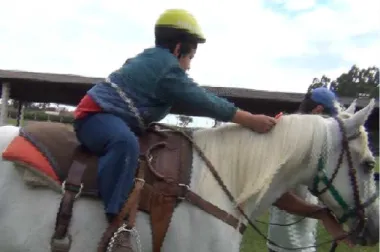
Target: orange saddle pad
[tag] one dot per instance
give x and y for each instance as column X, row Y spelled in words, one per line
column 21, row 150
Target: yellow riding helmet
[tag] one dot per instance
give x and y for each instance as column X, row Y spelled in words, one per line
column 181, row 19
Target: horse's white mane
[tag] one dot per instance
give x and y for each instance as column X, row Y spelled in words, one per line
column 339, row 107
column 247, row 161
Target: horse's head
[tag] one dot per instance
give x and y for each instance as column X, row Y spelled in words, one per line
column 345, row 179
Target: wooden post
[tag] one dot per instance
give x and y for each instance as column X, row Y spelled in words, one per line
column 20, row 114
column 5, row 91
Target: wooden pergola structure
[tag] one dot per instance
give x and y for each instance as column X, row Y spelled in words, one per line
column 69, row 89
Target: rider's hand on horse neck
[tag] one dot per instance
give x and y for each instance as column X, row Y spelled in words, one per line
column 257, row 123
column 293, row 204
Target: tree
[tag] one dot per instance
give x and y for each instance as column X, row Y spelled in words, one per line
column 355, row 83
column 359, row 82
column 322, row 82
column 15, row 104
column 184, row 120
column 370, row 81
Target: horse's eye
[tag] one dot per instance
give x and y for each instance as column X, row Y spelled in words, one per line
column 369, row 164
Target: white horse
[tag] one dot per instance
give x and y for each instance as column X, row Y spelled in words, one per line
column 256, row 168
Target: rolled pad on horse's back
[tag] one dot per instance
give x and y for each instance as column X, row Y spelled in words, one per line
column 58, row 143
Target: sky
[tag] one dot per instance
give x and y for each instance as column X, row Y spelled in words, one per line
column 273, row 45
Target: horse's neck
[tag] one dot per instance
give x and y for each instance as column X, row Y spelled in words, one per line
column 300, row 172
column 281, row 183
column 215, row 195
column 270, row 178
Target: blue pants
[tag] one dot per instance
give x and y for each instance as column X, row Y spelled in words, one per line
column 117, row 146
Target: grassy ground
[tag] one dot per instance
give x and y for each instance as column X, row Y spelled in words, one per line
column 13, row 121
column 254, row 242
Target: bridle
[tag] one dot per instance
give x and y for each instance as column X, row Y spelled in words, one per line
column 358, row 211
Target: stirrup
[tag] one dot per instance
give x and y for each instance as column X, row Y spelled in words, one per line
column 132, row 233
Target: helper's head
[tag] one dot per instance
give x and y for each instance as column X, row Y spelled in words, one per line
column 319, row 101
column 178, row 31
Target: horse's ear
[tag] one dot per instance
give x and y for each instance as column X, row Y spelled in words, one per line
column 351, row 109
column 359, row 118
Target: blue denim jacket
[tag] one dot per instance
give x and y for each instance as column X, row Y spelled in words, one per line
column 154, row 81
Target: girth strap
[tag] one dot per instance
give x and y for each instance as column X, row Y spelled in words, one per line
column 175, row 193
column 215, row 211
column 72, row 188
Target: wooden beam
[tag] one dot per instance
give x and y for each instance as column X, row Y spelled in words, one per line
column 5, row 91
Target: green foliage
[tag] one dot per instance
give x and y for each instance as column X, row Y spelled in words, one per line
column 355, row 83
column 322, row 82
column 41, row 116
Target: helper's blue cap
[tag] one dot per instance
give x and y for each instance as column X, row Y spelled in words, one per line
column 325, row 97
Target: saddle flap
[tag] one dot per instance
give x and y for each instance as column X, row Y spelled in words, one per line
column 161, row 212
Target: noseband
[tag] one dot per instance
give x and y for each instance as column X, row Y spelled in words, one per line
column 358, row 211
